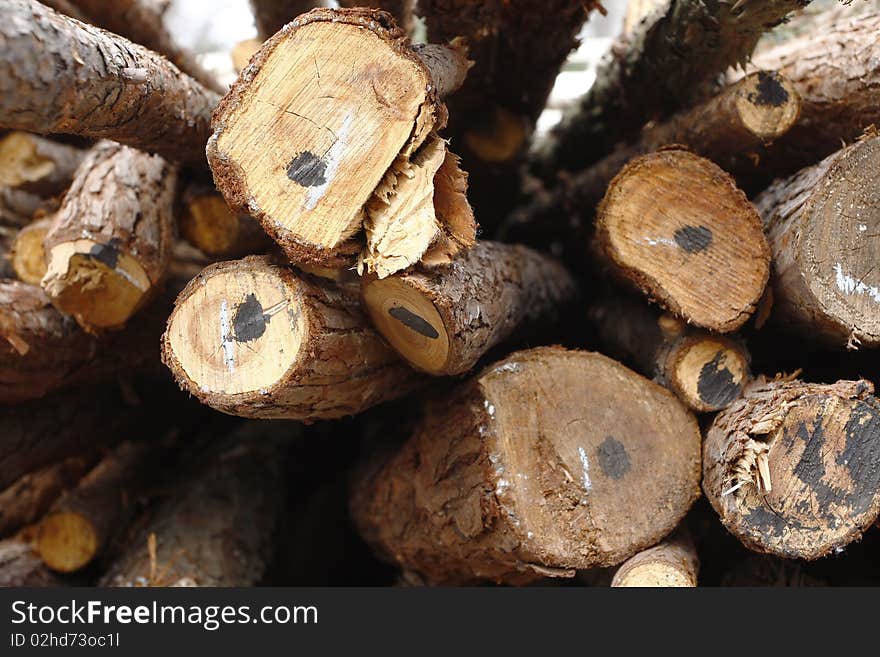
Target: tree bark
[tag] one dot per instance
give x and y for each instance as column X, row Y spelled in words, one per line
column 826, row 285
column 706, row 371
column 672, row 563
column 666, row 63
column 110, row 244
column 792, row 467
column 402, row 10
column 253, row 339
column 442, row 320
column 547, row 461
column 20, row 566
column 37, row 165
column 100, row 85
column 677, row 226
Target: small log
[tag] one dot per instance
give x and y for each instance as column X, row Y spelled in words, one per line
column 823, row 224
column 209, row 224
column 537, row 466
column 100, row 86
column 217, row 526
column 302, row 140
column 706, row 371
column 271, row 15
column 20, row 566
column 793, row 468
column 672, row 563
column 678, row 227
column 38, row 165
column 110, row 244
column 26, row 500
column 81, row 524
column 251, row 338
column 443, row 319
column 27, row 255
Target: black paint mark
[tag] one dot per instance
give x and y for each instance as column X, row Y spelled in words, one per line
column 770, row 91
column 613, row 458
column 307, row 169
column 715, row 384
column 693, row 239
column 106, row 253
column 861, row 456
column 249, row 322
column 811, row 469
column 413, row 321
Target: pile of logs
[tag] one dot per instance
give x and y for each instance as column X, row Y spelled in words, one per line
column 635, row 351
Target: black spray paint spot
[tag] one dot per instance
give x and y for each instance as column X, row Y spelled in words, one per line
column 413, row 321
column 106, row 253
column 693, row 239
column 811, row 469
column 770, row 91
column 307, row 169
column 715, row 383
column 249, row 322
column 613, row 458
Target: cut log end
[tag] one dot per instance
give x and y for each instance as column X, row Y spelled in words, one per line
column 768, row 105
column 499, row 138
column 209, row 225
column 671, row 564
column 66, row 542
column 679, row 228
column 28, row 255
column 708, row 372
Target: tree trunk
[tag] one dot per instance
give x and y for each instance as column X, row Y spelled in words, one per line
column 209, row 224
column 792, row 467
column 442, row 320
column 672, row 563
column 547, row 461
column 101, row 85
column 38, row 165
column 110, row 244
column 826, row 285
column 303, row 140
column 677, row 226
column 252, row 338
column 705, row 370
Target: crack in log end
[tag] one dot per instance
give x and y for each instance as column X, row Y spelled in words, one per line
column 413, row 321
column 770, row 93
column 106, row 253
column 715, row 384
column 307, row 169
column 613, row 458
column 693, row 239
column 250, row 321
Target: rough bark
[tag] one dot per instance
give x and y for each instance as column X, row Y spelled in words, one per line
column 301, row 142
column 442, row 320
column 824, row 229
column 706, row 371
column 679, row 228
column 672, row 563
column 666, row 63
column 271, row 15
column 402, row 10
column 251, row 338
column 20, row 566
column 793, row 468
column 110, row 244
column 37, row 165
column 98, row 85
column 27, row 255
column 539, row 465
column 217, row 526
column 19, row 208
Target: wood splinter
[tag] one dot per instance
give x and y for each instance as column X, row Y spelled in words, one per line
column 677, row 226
column 443, row 319
column 303, row 140
column 672, row 563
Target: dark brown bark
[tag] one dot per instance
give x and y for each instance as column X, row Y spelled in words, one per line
column 100, row 85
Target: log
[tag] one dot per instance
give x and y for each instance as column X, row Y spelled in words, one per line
column 253, row 339
column 303, row 140
column 82, row 523
column 442, row 320
column 705, row 370
column 20, row 566
column 672, row 563
column 667, row 62
column 210, row 225
column 27, row 255
column 142, row 21
column 679, row 228
column 217, row 526
column 271, row 15
column 402, row 10
column 26, row 500
column 823, row 224
column 18, row 208
column 110, row 244
column 37, row 165
column 101, row 86
column 541, row 464
column 793, row 468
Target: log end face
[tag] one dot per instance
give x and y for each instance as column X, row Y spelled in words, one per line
column 708, row 373
column 28, row 255
column 655, row 574
column 768, row 105
column 66, row 541
column 209, row 224
column 500, row 137
column 21, row 161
